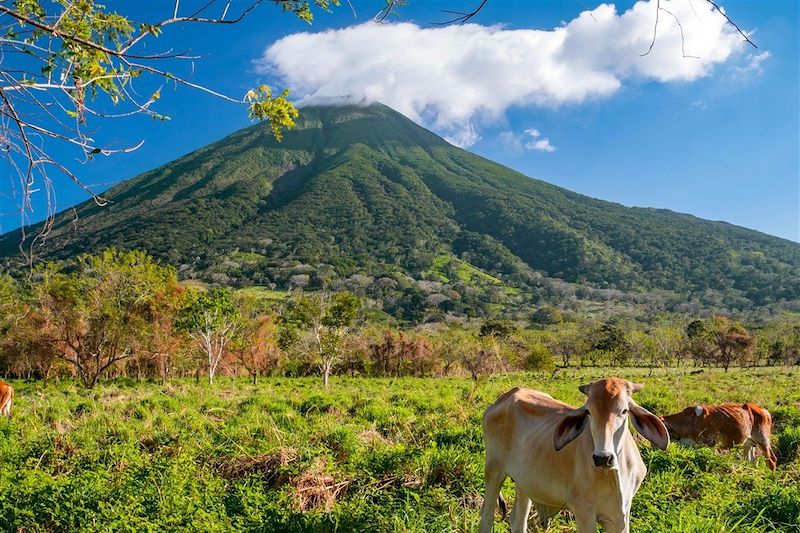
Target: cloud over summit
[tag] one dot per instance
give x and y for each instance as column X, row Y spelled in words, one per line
column 448, row 77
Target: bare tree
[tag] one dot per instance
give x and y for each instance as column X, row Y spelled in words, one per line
column 211, row 320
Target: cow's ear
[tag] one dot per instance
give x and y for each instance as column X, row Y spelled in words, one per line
column 584, row 388
column 649, row 425
column 570, row 428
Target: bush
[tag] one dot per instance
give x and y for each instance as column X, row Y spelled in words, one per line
column 540, row 358
column 547, row 316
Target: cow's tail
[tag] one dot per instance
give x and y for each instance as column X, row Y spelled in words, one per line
column 501, row 503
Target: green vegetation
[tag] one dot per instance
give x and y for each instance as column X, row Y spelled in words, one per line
column 122, row 314
column 391, row 454
column 111, row 432
column 362, row 199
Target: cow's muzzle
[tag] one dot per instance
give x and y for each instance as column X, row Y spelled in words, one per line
column 603, row 459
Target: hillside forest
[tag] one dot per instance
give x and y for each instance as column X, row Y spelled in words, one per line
column 124, row 314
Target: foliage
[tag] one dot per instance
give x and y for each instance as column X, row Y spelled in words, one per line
column 67, row 63
column 612, row 340
column 367, row 454
column 277, row 110
column 322, row 323
column 97, row 315
column 547, row 316
column 363, row 200
column 212, row 319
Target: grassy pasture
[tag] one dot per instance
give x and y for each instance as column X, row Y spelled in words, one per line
column 400, row 454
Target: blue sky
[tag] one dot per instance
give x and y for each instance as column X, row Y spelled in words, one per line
column 717, row 137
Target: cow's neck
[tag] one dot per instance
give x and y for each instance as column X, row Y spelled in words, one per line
column 619, row 483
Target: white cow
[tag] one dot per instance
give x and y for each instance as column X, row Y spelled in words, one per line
column 541, row 443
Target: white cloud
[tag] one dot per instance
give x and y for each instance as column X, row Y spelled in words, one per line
column 530, row 139
column 753, row 65
column 452, row 77
column 463, row 136
column 541, row 145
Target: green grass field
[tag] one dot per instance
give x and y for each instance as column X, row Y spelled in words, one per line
column 366, row 455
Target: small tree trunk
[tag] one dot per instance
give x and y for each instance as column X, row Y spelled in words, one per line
column 255, row 379
column 326, row 372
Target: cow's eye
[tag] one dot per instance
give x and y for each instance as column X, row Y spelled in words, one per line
column 624, row 411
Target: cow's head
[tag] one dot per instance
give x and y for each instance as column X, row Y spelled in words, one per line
column 606, row 411
column 681, row 425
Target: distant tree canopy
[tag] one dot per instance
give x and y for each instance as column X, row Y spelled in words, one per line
column 547, row 315
column 124, row 314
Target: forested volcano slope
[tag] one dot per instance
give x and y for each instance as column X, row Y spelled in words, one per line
column 364, row 190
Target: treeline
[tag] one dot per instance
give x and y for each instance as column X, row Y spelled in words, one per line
column 123, row 314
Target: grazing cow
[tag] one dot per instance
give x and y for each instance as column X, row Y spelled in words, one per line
column 6, row 395
column 725, row 425
column 529, row 437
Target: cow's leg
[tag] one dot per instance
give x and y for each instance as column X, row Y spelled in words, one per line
column 762, row 439
column 494, row 477
column 766, row 449
column 520, row 512
column 585, row 518
column 749, row 450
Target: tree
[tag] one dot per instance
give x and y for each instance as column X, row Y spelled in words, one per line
column 321, row 324
column 698, row 341
column 164, row 344
column 211, row 320
column 499, row 329
column 98, row 315
column 731, row 341
column 547, row 316
column 59, row 57
column 482, row 359
column 779, row 341
column 257, row 346
column 399, row 355
column 567, row 342
column 612, row 340
column 658, row 345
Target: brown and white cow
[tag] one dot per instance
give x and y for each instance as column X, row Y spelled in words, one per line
column 6, row 395
column 541, row 443
column 726, row 426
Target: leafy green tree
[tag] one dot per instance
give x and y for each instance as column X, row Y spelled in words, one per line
column 212, row 320
column 547, row 316
column 611, row 339
column 98, row 314
column 731, row 341
column 657, row 346
column 319, row 324
column 568, row 342
column 499, row 329
column 698, row 342
column 779, row 341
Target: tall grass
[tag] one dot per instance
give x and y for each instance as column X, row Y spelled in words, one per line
column 400, row 454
